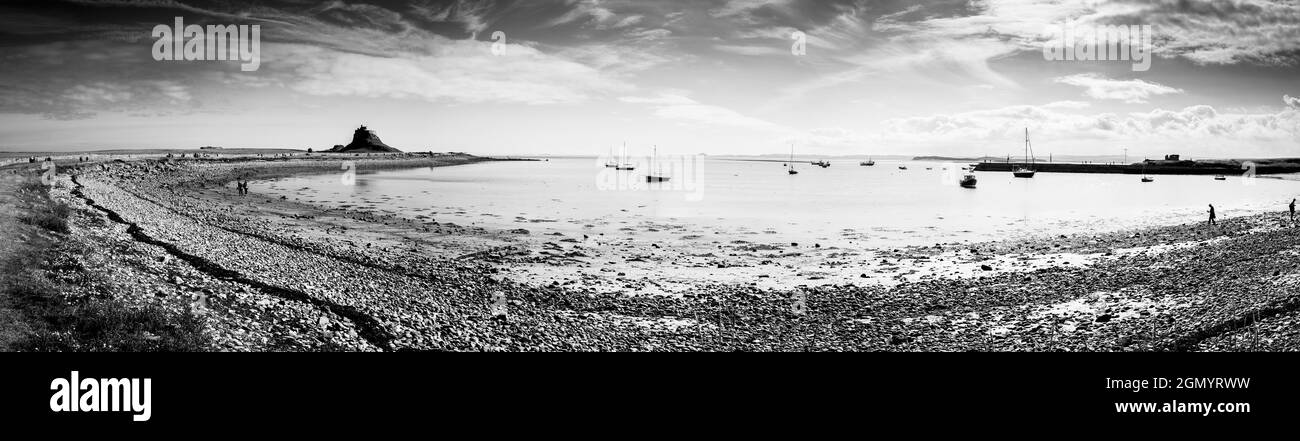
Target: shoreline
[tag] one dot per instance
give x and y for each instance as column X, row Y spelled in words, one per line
column 312, row 278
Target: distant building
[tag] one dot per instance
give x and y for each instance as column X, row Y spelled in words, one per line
column 1172, row 157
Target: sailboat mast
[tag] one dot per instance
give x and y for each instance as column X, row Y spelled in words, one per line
column 1027, row 157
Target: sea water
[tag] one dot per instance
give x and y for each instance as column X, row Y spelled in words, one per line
column 757, row 201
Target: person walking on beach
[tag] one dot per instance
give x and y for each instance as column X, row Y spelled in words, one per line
column 1212, row 214
column 1292, row 209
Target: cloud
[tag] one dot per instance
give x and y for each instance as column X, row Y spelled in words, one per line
column 459, row 71
column 741, row 8
column 681, row 108
column 1293, row 102
column 752, row 50
column 1263, row 32
column 1129, row 91
column 1068, row 105
column 1199, row 126
column 469, row 13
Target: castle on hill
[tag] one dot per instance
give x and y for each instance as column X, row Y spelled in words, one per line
column 364, row 141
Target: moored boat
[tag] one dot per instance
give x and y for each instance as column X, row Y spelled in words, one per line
column 968, row 180
column 655, row 175
column 1028, row 170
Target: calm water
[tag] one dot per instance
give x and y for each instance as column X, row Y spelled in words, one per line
column 758, row 201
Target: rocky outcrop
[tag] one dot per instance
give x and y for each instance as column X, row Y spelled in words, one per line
column 364, row 141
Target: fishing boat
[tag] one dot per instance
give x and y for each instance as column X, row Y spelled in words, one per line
column 1220, row 178
column 868, row 163
column 823, row 163
column 655, row 175
column 902, row 167
column 968, row 180
column 791, row 169
column 1025, row 171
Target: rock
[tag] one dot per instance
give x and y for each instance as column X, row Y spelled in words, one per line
column 1104, row 318
column 986, row 267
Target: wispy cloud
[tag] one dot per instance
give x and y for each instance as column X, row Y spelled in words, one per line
column 1176, row 129
column 686, row 110
column 1129, row 91
column 458, row 71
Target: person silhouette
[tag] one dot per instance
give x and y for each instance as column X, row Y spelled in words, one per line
column 1212, row 214
column 1292, row 209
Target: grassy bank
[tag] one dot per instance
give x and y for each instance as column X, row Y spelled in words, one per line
column 37, row 277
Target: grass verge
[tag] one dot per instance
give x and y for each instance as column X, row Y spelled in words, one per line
column 39, row 270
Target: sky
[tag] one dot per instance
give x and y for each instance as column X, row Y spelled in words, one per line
column 720, row 77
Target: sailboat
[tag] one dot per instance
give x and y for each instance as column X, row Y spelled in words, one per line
column 610, row 163
column 1024, row 171
column 1146, row 178
column 622, row 162
column 869, row 162
column 654, row 175
column 791, row 169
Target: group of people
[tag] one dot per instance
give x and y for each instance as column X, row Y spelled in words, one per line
column 241, row 187
column 1291, row 207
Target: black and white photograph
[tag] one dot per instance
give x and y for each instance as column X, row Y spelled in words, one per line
column 762, row 176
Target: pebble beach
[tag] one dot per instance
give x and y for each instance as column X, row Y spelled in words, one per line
column 275, row 274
